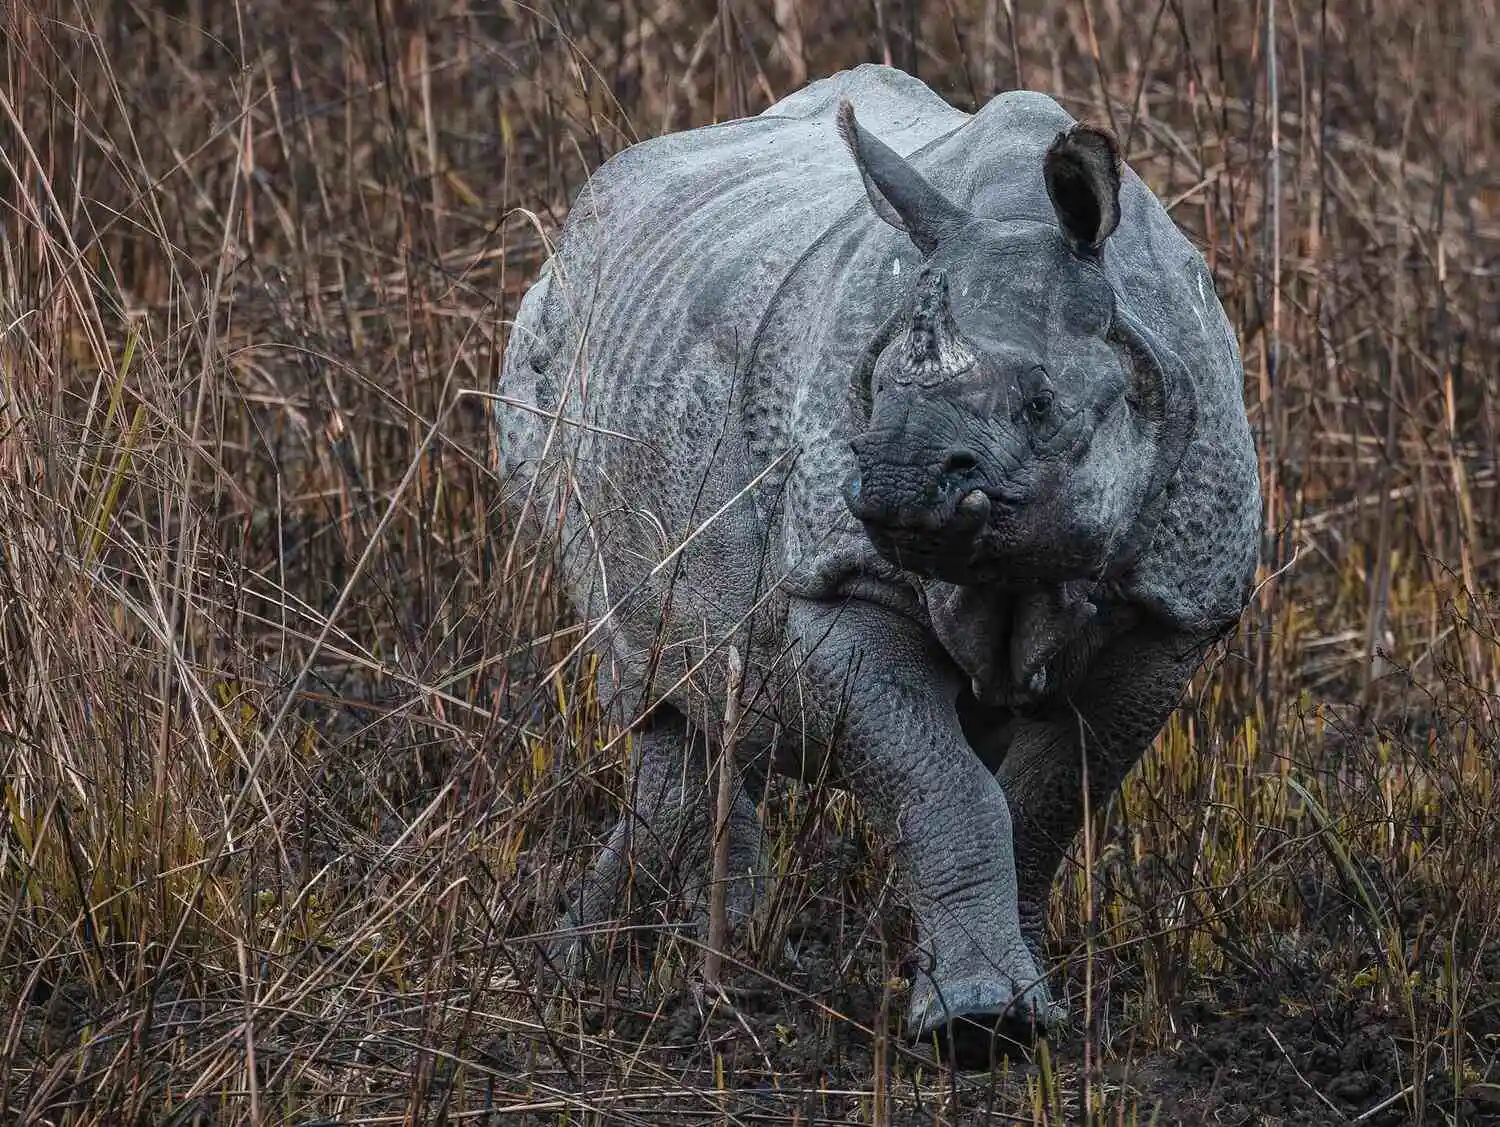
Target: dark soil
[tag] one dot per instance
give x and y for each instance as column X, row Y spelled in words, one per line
column 817, row 1025
column 1288, row 1044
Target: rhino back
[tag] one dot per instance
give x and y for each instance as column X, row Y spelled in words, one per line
column 623, row 384
column 642, row 329
column 676, row 247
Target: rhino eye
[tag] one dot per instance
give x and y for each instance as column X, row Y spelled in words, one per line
column 1039, row 405
column 1036, row 394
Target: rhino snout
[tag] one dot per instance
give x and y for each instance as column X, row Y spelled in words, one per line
column 919, row 450
column 926, row 494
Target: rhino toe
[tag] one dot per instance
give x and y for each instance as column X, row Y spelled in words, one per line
column 978, row 1024
column 979, row 1041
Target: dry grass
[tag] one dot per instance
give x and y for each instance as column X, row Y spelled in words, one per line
column 285, row 798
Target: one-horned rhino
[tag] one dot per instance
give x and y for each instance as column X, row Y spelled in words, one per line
column 934, row 419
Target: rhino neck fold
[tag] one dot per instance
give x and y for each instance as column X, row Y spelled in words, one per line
column 1177, row 406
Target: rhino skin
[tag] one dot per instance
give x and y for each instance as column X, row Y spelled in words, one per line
column 729, row 314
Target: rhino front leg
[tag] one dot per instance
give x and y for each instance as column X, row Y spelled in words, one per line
column 1101, row 728
column 883, row 695
column 657, row 858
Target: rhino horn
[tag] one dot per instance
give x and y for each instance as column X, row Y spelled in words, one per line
column 934, row 350
column 898, row 192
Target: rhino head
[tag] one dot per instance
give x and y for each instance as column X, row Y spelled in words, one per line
column 1016, row 423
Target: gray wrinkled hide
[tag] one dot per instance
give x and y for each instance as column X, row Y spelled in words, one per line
column 685, row 354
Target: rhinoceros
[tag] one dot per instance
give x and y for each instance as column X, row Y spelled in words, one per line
column 933, row 421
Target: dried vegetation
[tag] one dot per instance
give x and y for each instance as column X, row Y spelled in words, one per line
column 292, row 774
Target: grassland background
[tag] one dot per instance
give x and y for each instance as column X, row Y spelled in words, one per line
column 286, row 796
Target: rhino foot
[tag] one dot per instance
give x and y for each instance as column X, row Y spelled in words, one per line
column 979, row 1023
column 568, row 951
column 605, row 916
column 743, row 894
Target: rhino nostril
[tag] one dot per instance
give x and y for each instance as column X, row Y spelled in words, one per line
column 960, row 462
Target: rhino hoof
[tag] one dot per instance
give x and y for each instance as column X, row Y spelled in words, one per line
column 979, row 1041
column 979, row 1024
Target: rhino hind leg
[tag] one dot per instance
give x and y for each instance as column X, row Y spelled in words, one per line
column 655, row 866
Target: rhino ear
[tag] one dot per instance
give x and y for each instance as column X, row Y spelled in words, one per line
column 898, row 191
column 1082, row 170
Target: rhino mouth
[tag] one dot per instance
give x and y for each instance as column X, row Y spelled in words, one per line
column 943, row 537
column 964, row 534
